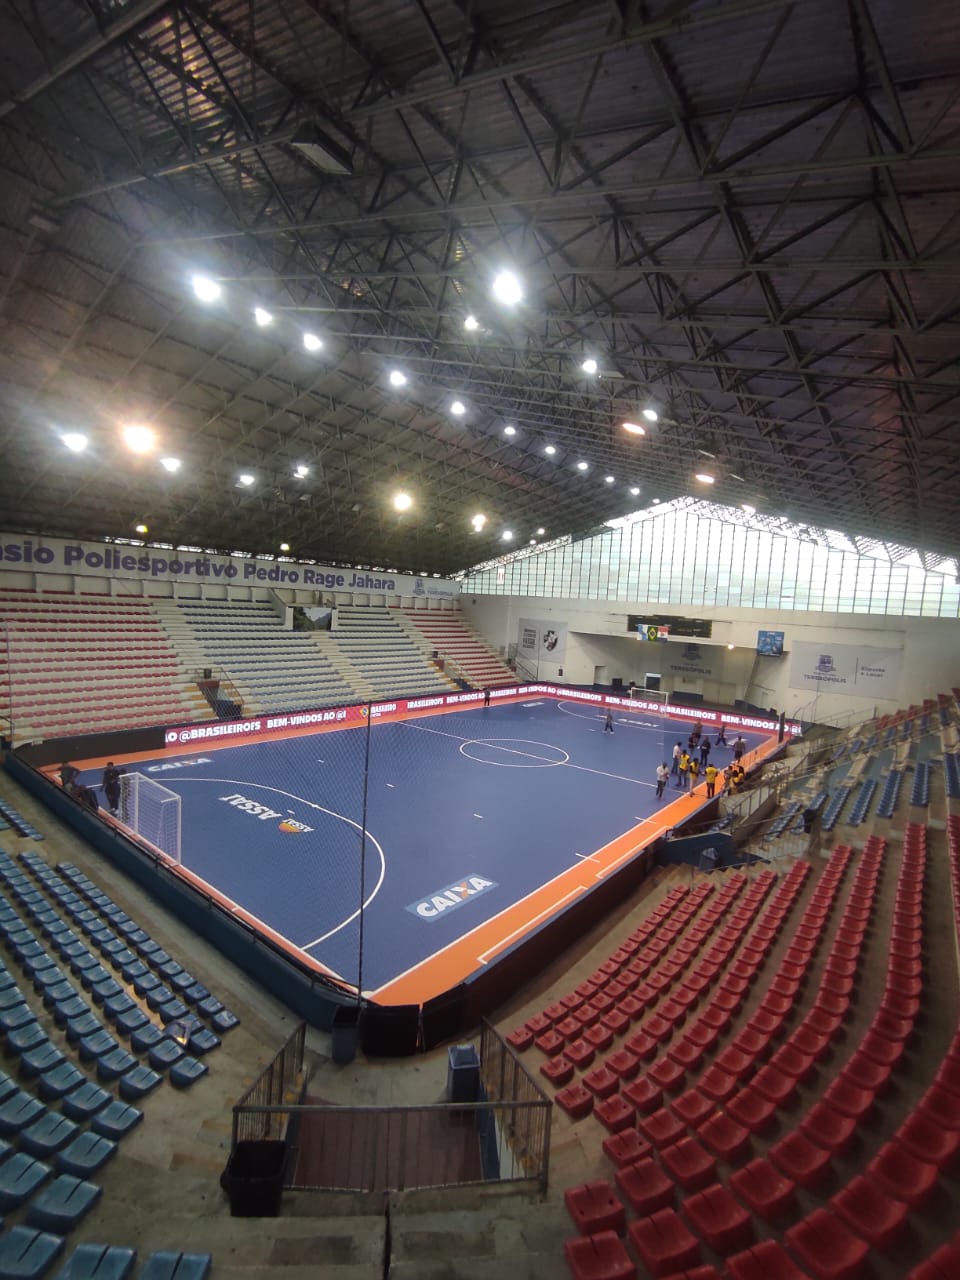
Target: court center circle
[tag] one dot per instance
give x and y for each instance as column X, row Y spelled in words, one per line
column 513, row 753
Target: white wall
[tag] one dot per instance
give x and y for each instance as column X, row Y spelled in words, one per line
column 597, row 636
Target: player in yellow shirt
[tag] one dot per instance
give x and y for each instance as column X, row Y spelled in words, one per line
column 710, row 773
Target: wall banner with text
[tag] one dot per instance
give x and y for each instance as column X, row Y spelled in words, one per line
column 860, row 670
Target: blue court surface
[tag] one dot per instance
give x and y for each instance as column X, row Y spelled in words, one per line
column 467, row 813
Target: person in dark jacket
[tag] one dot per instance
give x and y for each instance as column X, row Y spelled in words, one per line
column 111, row 786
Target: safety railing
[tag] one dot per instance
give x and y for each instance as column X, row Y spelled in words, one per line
column 263, row 1111
column 503, row 1136
column 220, row 691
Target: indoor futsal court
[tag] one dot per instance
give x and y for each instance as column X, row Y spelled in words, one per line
column 480, row 824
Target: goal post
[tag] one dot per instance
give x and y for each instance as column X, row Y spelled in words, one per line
column 152, row 811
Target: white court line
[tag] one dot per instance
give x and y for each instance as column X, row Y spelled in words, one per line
column 527, row 923
column 601, row 773
column 305, row 946
column 586, row 857
column 478, row 815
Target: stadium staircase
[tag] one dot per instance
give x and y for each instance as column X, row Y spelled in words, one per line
column 388, row 661
column 81, row 664
column 447, row 632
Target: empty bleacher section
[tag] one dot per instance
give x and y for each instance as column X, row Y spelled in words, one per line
column 447, row 632
column 76, row 664
column 384, row 654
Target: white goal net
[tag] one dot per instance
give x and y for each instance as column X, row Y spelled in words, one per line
column 152, row 811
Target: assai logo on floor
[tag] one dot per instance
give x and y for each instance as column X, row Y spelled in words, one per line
column 454, row 895
column 265, row 813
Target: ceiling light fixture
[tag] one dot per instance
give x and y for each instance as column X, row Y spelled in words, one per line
column 312, row 342
column 589, row 365
column 245, row 478
column 478, row 521
column 397, row 378
column 75, row 441
column 471, row 323
column 635, row 491
column 207, row 290
column 705, row 477
column 139, row 439
column 609, row 479
column 550, row 450
column 507, row 535
column 170, row 464
column 509, row 431
column 507, row 289
column 402, row 502
column 541, row 531
column 262, row 316
column 321, row 150
column 746, row 507
column 140, row 528
column 458, row 408
column 634, row 428
column 651, row 415
column 583, row 466
column 284, row 546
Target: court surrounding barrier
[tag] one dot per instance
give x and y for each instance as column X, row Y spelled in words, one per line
column 281, row 1081
column 502, row 1136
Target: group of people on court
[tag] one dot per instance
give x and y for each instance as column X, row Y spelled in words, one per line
column 690, row 762
column 110, row 783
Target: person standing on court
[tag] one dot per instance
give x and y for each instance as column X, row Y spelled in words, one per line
column 111, row 786
column 722, row 736
column 677, row 753
column 683, row 766
column 704, row 752
column 486, row 696
column 608, row 722
column 738, row 748
column 693, row 772
column 663, row 773
column 710, row 774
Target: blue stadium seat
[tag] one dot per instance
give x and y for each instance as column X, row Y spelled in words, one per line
column 98, row 1262
column 60, row 1081
column 187, row 1071
column 96, row 1046
column 85, row 1101
column 87, row 1153
column 48, row 1134
column 137, row 1082
column 30, row 1036
column 145, row 1037
column 116, row 1120
column 166, row 1265
column 40, row 1059
column 25, row 1254
column 20, row 1176
column 131, row 1021
column 61, row 1204
column 19, row 1111
column 164, row 1054
column 114, row 1064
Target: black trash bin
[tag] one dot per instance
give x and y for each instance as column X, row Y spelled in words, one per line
column 344, row 1033
column 463, row 1073
column 253, row 1178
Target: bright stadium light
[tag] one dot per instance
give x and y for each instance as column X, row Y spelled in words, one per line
column 634, row 429
column 312, row 342
column 458, row 408
column 75, row 441
column 170, row 464
column 705, row 477
column 550, row 450
column 301, row 470
column 262, row 316
column 651, row 415
column 583, row 466
column 284, row 546
column 509, row 431
column 138, row 438
column 471, row 324
column 507, row 289
column 207, row 290
column 541, row 531
column 746, row 507
column 507, row 535
column 140, row 528
column 609, row 479
column 246, row 479
column 402, row 502
column 589, row 365
column 634, row 491
column 397, row 378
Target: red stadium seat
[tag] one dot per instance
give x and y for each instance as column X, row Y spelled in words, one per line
column 928, row 1141
column 664, row 1244
column 764, row 1189
column 827, row 1247
column 751, row 1109
column 575, row 1100
column 580, row 1053
column 765, row 1261
column 719, row 1220
column 870, row 1212
column 828, row 1128
column 601, row 1082
column 943, row 1264
column 594, row 1207
column 800, row 1159
column 614, row 1113
column 667, row 1074
column 626, row 1147
column 559, row 1070
column 724, row 1137
column 662, row 1128
column 692, row 1107
column 644, row 1095
column 716, row 1084
column 690, row 1166
column 623, row 1064
column 902, row 1175
column 645, row 1186
column 599, row 1257
column 849, row 1099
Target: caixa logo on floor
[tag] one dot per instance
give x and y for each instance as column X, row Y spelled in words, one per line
column 454, row 895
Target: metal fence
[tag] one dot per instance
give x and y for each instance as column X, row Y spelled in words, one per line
column 502, row 1137
column 264, row 1110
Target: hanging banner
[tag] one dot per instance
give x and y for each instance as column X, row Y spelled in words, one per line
column 860, row 670
column 169, row 564
column 541, row 641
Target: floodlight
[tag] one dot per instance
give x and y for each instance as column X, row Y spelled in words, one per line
column 458, row 408
column 312, row 342
column 507, row 535
column 75, row 441
column 507, row 289
column 402, row 501
column 245, row 478
column 262, row 316
column 589, row 365
column 608, row 479
column 478, row 521
column 634, row 428
column 651, row 415
column 583, row 466
column 284, row 546
column 751, row 511
column 634, row 491
column 139, row 439
column 705, row 477
column 397, row 378
column 140, row 528
column 301, row 470
column 541, row 531
column 207, row 290
column 170, row 464
column 471, row 323
column 509, row 431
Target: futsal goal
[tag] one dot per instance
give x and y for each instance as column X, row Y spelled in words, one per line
column 152, row 811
